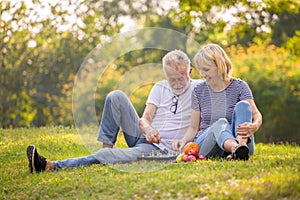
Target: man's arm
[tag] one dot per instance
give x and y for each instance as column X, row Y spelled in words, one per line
column 152, row 135
column 190, row 133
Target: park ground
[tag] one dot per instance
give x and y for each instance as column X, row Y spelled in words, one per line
column 272, row 173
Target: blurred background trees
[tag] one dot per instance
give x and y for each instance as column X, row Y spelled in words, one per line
column 43, row 43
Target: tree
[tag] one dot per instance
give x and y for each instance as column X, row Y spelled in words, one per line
column 43, row 44
column 41, row 51
column 240, row 22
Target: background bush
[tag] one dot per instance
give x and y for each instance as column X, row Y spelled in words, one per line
column 41, row 53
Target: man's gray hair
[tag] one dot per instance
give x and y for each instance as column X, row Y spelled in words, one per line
column 176, row 59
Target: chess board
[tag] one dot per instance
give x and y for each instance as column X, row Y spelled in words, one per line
column 158, row 157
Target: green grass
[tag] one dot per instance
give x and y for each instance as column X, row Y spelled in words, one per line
column 273, row 173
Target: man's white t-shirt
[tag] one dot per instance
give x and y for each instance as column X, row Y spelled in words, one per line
column 169, row 125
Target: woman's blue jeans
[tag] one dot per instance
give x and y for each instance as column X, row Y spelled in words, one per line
column 118, row 113
column 211, row 142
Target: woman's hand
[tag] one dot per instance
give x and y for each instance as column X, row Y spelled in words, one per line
column 190, row 134
column 246, row 129
column 178, row 145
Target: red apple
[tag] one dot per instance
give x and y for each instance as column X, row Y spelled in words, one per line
column 191, row 158
column 194, row 153
column 184, row 158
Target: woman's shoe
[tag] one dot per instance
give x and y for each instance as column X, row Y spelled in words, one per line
column 241, row 152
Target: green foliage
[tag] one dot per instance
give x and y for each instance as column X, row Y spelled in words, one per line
column 240, row 22
column 293, row 44
column 41, row 55
column 44, row 54
column 273, row 75
column 286, row 27
column 272, row 173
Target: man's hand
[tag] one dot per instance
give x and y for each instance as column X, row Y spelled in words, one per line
column 153, row 136
column 178, row 145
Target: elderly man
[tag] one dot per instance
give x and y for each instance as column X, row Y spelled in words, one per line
column 165, row 119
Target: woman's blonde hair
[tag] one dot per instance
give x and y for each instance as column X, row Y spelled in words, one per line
column 214, row 54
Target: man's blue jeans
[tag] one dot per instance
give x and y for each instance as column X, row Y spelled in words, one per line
column 118, row 113
column 211, row 142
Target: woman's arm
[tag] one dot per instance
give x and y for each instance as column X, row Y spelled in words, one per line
column 248, row 129
column 190, row 133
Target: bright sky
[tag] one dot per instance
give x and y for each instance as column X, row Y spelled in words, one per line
column 41, row 12
column 37, row 13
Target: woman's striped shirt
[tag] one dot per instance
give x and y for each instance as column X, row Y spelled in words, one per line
column 215, row 105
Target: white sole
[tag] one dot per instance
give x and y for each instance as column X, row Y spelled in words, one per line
column 32, row 159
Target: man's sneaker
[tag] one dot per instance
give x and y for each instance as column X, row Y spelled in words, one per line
column 36, row 163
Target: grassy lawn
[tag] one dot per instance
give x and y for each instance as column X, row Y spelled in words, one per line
column 273, row 173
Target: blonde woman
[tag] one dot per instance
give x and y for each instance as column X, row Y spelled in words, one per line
column 224, row 114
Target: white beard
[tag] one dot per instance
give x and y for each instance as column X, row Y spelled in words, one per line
column 181, row 90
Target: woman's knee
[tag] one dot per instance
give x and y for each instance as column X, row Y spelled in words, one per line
column 220, row 125
column 243, row 106
column 221, row 122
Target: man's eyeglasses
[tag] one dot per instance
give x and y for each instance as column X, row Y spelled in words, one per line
column 173, row 107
